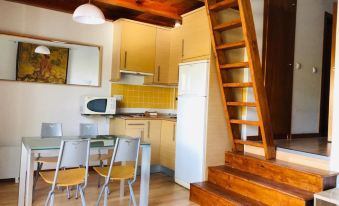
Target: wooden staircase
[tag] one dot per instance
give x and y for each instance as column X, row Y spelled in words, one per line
column 253, row 180
column 231, row 107
column 246, row 179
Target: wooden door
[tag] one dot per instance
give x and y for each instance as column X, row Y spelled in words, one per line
column 334, row 38
column 137, row 47
column 161, row 72
column 278, row 61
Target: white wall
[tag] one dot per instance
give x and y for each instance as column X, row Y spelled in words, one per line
column 24, row 106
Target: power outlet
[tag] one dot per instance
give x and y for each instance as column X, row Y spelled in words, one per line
column 118, row 97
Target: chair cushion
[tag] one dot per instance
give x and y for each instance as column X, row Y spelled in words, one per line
column 46, row 159
column 118, row 172
column 68, row 177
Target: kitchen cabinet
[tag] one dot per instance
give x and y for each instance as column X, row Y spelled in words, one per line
column 148, row 130
column 175, row 55
column 196, row 41
column 167, row 145
column 133, row 48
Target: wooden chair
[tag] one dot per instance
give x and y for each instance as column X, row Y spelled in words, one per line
column 125, row 151
column 48, row 130
column 74, row 153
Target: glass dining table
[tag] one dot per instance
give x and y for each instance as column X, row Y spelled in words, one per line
column 32, row 146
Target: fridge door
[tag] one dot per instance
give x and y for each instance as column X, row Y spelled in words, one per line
column 190, row 140
column 193, row 78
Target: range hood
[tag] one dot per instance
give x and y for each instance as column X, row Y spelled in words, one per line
column 136, row 73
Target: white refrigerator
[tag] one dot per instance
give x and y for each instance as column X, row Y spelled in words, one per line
column 191, row 122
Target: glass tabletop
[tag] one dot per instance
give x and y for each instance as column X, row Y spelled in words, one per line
column 51, row 143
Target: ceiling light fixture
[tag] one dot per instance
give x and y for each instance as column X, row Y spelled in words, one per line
column 42, row 50
column 88, row 14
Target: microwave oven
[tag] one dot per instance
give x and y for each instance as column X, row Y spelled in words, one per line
column 98, row 105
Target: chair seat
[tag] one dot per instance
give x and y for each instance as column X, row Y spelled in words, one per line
column 102, row 157
column 118, row 172
column 46, row 159
column 68, row 177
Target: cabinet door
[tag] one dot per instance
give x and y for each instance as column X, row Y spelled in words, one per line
column 167, row 145
column 137, row 128
column 196, row 36
column 162, row 56
column 137, row 47
column 153, row 137
column 175, row 55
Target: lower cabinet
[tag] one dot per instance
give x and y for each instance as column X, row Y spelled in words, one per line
column 167, row 145
column 159, row 133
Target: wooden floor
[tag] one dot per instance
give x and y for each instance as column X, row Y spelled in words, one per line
column 316, row 145
column 163, row 191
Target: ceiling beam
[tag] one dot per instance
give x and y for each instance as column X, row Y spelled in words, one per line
column 149, row 7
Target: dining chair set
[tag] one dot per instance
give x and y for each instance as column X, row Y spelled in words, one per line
column 72, row 163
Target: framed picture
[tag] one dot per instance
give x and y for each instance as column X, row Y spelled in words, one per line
column 34, row 67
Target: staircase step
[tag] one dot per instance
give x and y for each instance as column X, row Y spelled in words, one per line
column 206, row 194
column 241, row 104
column 233, row 45
column 237, row 121
column 247, row 142
column 228, row 25
column 259, row 188
column 238, row 85
column 239, row 65
column 306, row 178
column 223, row 5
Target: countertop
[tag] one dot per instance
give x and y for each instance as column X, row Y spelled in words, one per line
column 136, row 117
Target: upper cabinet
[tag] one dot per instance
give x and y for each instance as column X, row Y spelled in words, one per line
column 196, row 40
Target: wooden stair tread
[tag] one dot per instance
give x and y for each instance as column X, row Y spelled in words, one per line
column 228, row 25
column 231, row 197
column 281, row 188
column 238, row 85
column 233, row 45
column 238, row 65
column 237, row 121
column 247, row 142
column 223, row 5
column 245, row 104
column 281, row 163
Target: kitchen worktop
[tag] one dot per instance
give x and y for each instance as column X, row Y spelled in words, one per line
column 143, row 117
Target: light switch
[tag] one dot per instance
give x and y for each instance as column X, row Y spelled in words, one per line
column 314, row 70
column 297, row 66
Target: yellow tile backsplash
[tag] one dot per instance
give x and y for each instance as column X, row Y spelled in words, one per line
column 139, row 96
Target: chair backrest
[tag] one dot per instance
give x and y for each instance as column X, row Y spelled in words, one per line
column 51, row 130
column 88, row 129
column 126, row 150
column 73, row 153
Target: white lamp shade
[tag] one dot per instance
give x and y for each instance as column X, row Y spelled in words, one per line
column 42, row 50
column 88, row 14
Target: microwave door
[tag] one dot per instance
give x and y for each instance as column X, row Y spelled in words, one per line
column 97, row 105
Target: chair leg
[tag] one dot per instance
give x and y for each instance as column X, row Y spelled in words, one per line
column 132, row 193
column 106, row 196
column 48, row 198
column 82, row 196
column 38, row 169
column 76, row 192
column 52, row 200
column 68, row 193
column 101, row 165
column 100, row 195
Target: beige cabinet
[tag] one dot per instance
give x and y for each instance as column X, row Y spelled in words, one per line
column 196, row 36
column 148, row 130
column 167, row 145
column 176, row 50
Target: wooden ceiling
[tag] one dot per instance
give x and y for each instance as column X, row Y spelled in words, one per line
column 159, row 12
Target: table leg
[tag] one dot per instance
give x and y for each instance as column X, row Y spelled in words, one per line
column 22, row 180
column 122, row 185
column 145, row 174
column 29, row 177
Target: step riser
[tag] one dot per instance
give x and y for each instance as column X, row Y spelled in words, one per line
column 252, row 190
column 205, row 198
column 302, row 180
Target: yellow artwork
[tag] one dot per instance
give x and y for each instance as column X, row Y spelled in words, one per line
column 34, row 67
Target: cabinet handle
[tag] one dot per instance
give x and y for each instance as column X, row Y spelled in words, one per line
column 182, row 48
column 158, row 73
column 149, row 128
column 173, row 134
column 125, row 63
column 136, row 124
